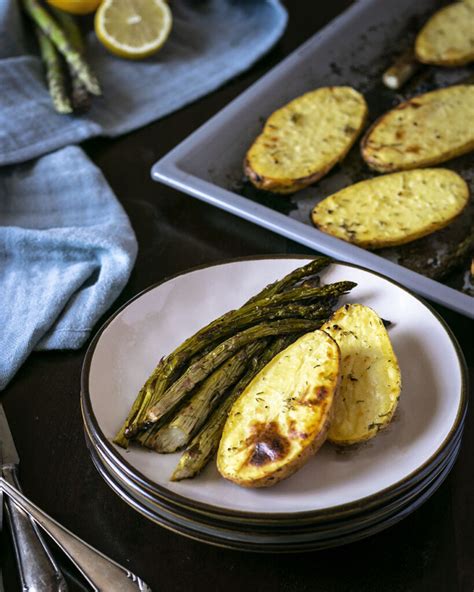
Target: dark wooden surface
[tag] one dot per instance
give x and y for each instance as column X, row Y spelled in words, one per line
column 431, row 550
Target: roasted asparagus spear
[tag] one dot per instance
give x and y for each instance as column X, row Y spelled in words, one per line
column 203, row 367
column 192, row 416
column 219, row 329
column 401, row 70
column 310, row 269
column 158, row 381
column 204, row 445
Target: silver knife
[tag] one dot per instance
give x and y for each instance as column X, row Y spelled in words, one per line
column 38, row 571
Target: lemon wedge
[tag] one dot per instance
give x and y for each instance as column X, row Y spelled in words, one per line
column 133, row 29
column 75, row 6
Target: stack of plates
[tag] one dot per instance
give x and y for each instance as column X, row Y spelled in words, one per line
column 338, row 496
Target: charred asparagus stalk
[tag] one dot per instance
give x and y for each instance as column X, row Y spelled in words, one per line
column 249, row 314
column 290, row 311
column 219, row 329
column 203, row 367
column 155, row 388
column 54, row 32
column 157, row 382
column 80, row 97
column 204, row 445
column 310, row 269
column 54, row 74
column 141, row 402
column 401, row 70
column 458, row 256
column 191, row 417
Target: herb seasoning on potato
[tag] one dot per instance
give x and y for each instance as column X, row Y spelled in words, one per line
column 393, row 209
column 370, row 381
column 304, row 139
column 282, row 417
column 447, row 39
column 426, row 130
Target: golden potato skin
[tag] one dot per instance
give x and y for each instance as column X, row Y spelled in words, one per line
column 426, row 130
column 370, row 375
column 447, row 39
column 393, row 209
column 304, row 139
column 282, row 417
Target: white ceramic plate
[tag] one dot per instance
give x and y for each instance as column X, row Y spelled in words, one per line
column 431, row 407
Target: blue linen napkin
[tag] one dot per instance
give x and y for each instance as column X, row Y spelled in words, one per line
column 66, row 252
column 66, row 245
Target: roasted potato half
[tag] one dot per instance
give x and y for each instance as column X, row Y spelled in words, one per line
column 282, row 417
column 447, row 39
column 426, row 130
column 393, row 209
column 370, row 376
column 304, row 139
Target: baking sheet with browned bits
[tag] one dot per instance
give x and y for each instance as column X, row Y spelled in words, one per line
column 444, row 255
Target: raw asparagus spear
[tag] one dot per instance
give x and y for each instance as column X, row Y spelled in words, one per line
column 80, row 97
column 203, row 367
column 70, row 27
column 54, row 74
column 190, row 418
column 204, row 445
column 52, row 30
column 221, row 328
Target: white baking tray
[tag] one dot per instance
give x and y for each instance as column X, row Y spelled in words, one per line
column 353, row 49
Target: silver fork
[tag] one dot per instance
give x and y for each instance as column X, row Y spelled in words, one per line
column 102, row 573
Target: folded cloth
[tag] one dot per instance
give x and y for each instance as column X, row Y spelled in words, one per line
column 211, row 42
column 66, row 245
column 66, row 251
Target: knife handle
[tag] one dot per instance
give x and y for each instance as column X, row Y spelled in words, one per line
column 102, row 573
column 37, row 569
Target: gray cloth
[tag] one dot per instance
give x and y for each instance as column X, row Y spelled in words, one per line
column 211, row 42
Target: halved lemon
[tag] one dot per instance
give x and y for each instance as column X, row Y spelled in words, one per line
column 76, row 6
column 133, row 29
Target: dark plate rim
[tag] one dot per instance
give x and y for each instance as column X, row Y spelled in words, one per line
column 165, row 493
column 421, row 477
column 277, row 547
column 324, row 529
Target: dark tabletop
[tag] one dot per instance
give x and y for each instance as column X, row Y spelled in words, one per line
column 430, row 550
